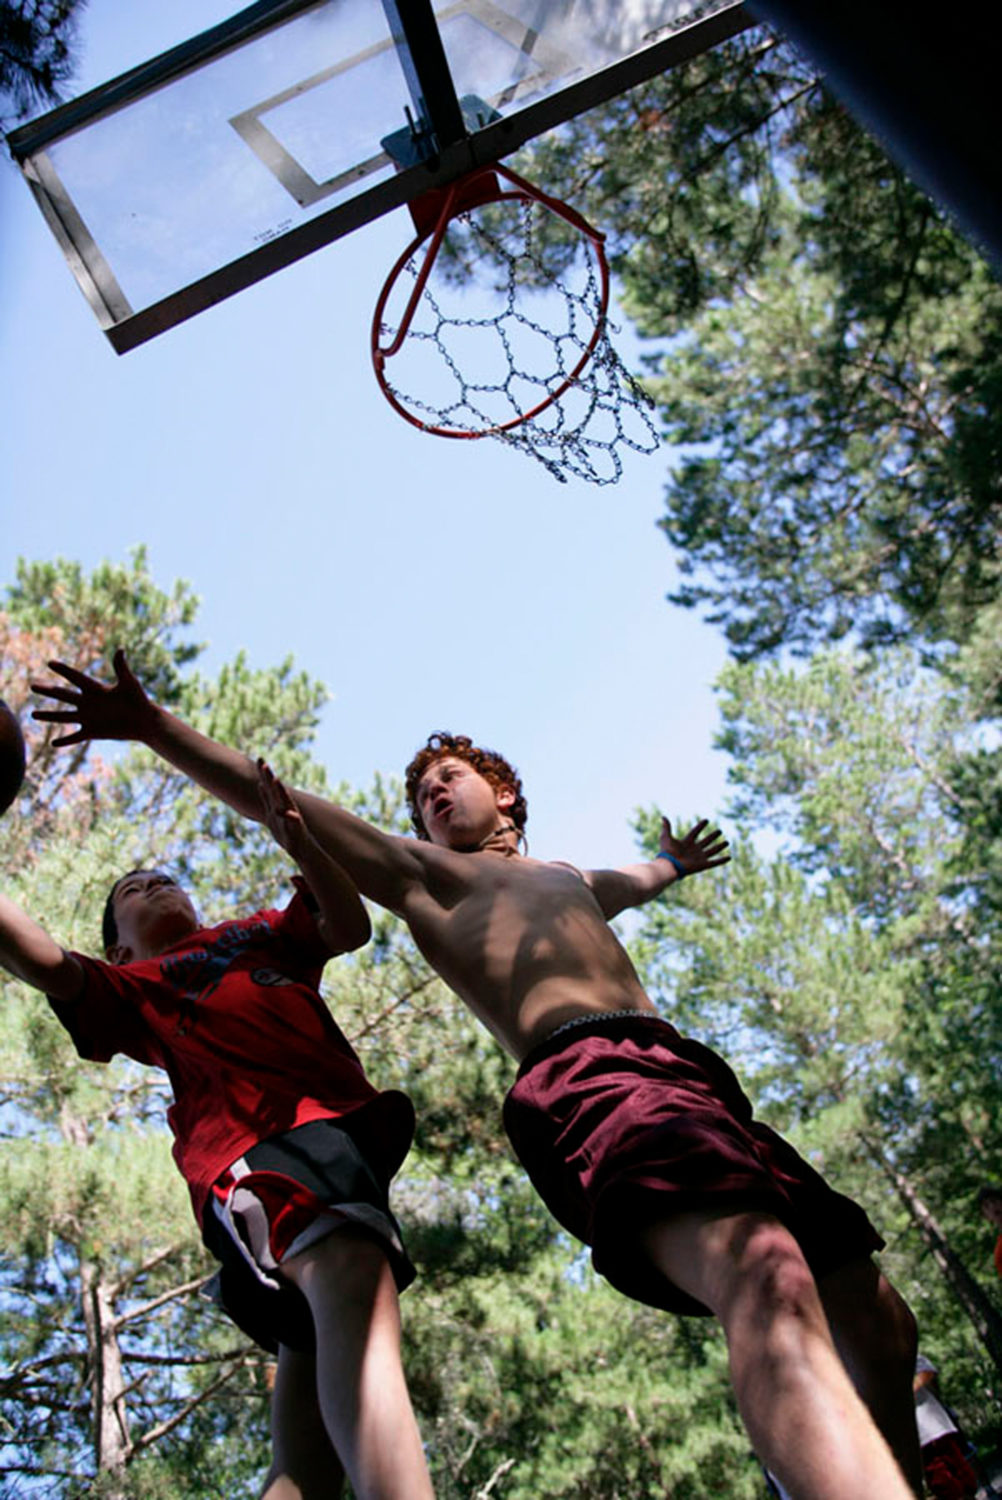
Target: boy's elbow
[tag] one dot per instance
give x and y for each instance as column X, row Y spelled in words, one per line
column 353, row 930
column 361, row 931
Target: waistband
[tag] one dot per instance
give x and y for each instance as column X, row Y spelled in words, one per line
column 596, row 1021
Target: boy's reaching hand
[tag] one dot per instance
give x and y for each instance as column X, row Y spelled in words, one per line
column 281, row 815
column 343, row 919
column 121, row 711
column 698, row 850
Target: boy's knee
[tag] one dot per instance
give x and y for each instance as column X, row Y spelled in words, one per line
column 767, row 1273
column 778, row 1275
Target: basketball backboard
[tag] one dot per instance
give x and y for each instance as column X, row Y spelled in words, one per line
column 263, row 139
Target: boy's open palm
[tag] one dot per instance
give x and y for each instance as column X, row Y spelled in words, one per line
column 697, row 850
column 119, row 711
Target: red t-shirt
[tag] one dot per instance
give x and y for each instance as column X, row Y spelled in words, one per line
column 234, row 1016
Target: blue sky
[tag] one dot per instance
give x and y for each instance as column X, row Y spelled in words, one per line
column 429, row 584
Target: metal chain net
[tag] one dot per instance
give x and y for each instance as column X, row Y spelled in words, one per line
column 514, row 297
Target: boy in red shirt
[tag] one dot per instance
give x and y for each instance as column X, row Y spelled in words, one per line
column 286, row 1146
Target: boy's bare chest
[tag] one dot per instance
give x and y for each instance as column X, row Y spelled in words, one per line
column 475, row 898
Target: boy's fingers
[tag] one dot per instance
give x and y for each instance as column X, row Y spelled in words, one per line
column 277, row 798
column 53, row 690
column 79, row 679
column 276, row 784
column 286, row 801
column 274, row 792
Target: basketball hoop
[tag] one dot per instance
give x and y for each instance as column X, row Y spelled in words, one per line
column 507, row 281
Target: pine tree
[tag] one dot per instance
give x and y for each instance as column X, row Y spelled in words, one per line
column 36, row 54
column 848, row 976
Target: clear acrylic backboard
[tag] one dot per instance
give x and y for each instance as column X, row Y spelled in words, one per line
column 261, row 140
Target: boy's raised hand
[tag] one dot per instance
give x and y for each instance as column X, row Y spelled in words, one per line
column 698, row 850
column 117, row 711
column 281, row 815
column 342, row 919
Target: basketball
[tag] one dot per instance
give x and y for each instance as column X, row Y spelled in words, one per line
column 11, row 756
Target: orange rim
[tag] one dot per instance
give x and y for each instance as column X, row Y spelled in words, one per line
column 462, row 194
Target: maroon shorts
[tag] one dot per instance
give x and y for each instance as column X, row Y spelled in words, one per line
column 620, row 1121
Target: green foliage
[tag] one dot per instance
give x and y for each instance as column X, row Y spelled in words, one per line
column 111, row 607
column 852, row 976
column 831, row 353
column 551, row 1384
column 36, row 54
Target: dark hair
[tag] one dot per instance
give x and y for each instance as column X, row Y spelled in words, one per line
column 109, row 923
column 491, row 766
column 989, row 1195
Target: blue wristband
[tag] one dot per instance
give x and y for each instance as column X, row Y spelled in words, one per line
column 680, row 869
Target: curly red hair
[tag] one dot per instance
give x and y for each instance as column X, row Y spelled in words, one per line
column 491, row 766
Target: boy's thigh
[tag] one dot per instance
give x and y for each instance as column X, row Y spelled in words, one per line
column 349, row 1285
column 347, row 1268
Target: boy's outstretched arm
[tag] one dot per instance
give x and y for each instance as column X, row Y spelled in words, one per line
column 700, row 849
column 344, row 921
column 29, row 953
column 380, row 864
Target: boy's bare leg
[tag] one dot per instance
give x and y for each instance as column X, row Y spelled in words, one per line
column 807, row 1424
column 875, row 1334
column 304, row 1464
column 367, row 1411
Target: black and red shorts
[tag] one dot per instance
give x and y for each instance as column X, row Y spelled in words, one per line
column 282, row 1196
column 620, row 1121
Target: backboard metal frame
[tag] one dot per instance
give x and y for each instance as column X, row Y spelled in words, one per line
column 453, row 150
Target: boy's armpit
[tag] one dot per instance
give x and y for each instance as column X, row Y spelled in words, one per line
column 66, row 983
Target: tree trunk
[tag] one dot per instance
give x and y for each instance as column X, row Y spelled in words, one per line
column 976, row 1303
column 104, row 1355
column 111, row 1423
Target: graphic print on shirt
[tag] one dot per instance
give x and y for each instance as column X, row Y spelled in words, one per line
column 198, row 972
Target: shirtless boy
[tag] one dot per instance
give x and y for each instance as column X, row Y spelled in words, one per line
column 640, row 1141
column 286, row 1147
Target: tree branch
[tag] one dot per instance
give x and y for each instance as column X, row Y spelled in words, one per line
column 180, row 1360
column 154, row 1434
column 502, row 1469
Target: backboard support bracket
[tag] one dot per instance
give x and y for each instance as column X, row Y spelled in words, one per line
column 426, row 71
